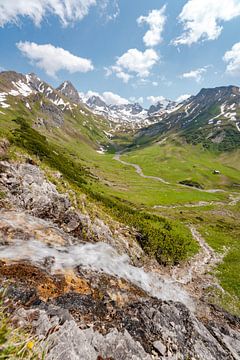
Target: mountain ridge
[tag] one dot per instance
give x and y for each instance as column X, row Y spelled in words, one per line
column 212, row 117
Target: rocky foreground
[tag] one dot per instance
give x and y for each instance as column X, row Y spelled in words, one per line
column 71, row 282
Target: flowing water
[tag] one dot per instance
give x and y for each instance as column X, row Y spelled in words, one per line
column 99, row 257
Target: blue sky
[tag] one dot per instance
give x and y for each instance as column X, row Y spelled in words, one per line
column 104, row 47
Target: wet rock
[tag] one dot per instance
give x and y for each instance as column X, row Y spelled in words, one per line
column 32, row 284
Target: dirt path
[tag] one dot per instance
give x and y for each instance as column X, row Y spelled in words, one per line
column 138, row 169
column 200, row 263
column 232, row 200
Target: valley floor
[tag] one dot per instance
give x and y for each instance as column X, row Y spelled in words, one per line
column 82, row 299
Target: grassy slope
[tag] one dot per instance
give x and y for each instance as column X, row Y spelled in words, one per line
column 168, row 241
column 122, row 181
column 175, row 162
column 172, row 161
column 219, row 225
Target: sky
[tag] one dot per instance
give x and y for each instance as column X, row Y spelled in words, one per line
column 124, row 50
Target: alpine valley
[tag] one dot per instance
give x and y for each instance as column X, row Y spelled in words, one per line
column 119, row 225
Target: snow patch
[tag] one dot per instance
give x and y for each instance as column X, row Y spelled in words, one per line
column 22, row 89
column 3, row 104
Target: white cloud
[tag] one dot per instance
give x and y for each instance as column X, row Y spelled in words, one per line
column 155, row 83
column 53, row 59
column 196, row 75
column 67, row 11
column 182, row 98
column 155, row 99
column 156, row 20
column 88, row 94
column 139, row 100
column 138, row 62
column 134, row 62
column 109, row 9
column 118, row 72
column 108, row 97
column 232, row 58
column 113, row 99
column 202, row 19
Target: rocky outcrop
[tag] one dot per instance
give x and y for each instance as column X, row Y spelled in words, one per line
column 93, row 306
column 148, row 329
column 54, row 115
column 68, row 90
column 27, row 188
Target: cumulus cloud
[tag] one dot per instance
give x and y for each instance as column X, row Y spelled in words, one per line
column 232, row 58
column 182, row 98
column 108, row 97
column 156, row 20
column 67, row 11
column 196, row 75
column 134, row 62
column 113, row 99
column 155, row 99
column 52, row 59
column 202, row 19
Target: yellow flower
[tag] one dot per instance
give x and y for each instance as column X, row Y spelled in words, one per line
column 30, row 345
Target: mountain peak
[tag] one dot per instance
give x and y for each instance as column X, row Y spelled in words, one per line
column 69, row 91
column 160, row 106
column 96, row 101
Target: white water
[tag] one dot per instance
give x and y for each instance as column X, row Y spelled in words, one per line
column 100, row 257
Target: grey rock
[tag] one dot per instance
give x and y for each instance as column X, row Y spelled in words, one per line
column 160, row 347
column 28, row 189
column 71, row 343
column 68, row 90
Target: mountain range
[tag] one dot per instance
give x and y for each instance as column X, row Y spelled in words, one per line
column 212, row 117
column 119, row 225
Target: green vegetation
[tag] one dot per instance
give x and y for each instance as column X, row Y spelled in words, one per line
column 35, row 143
column 220, row 228
column 16, row 343
column 176, row 161
column 119, row 192
column 223, row 236
column 230, row 138
column 168, row 241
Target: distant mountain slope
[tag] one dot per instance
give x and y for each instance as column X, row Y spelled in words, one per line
column 212, row 118
column 129, row 115
column 48, row 108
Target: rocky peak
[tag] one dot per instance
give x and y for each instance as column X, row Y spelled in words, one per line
column 136, row 108
column 164, row 104
column 8, row 79
column 223, row 93
column 96, row 101
column 69, row 91
column 133, row 109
